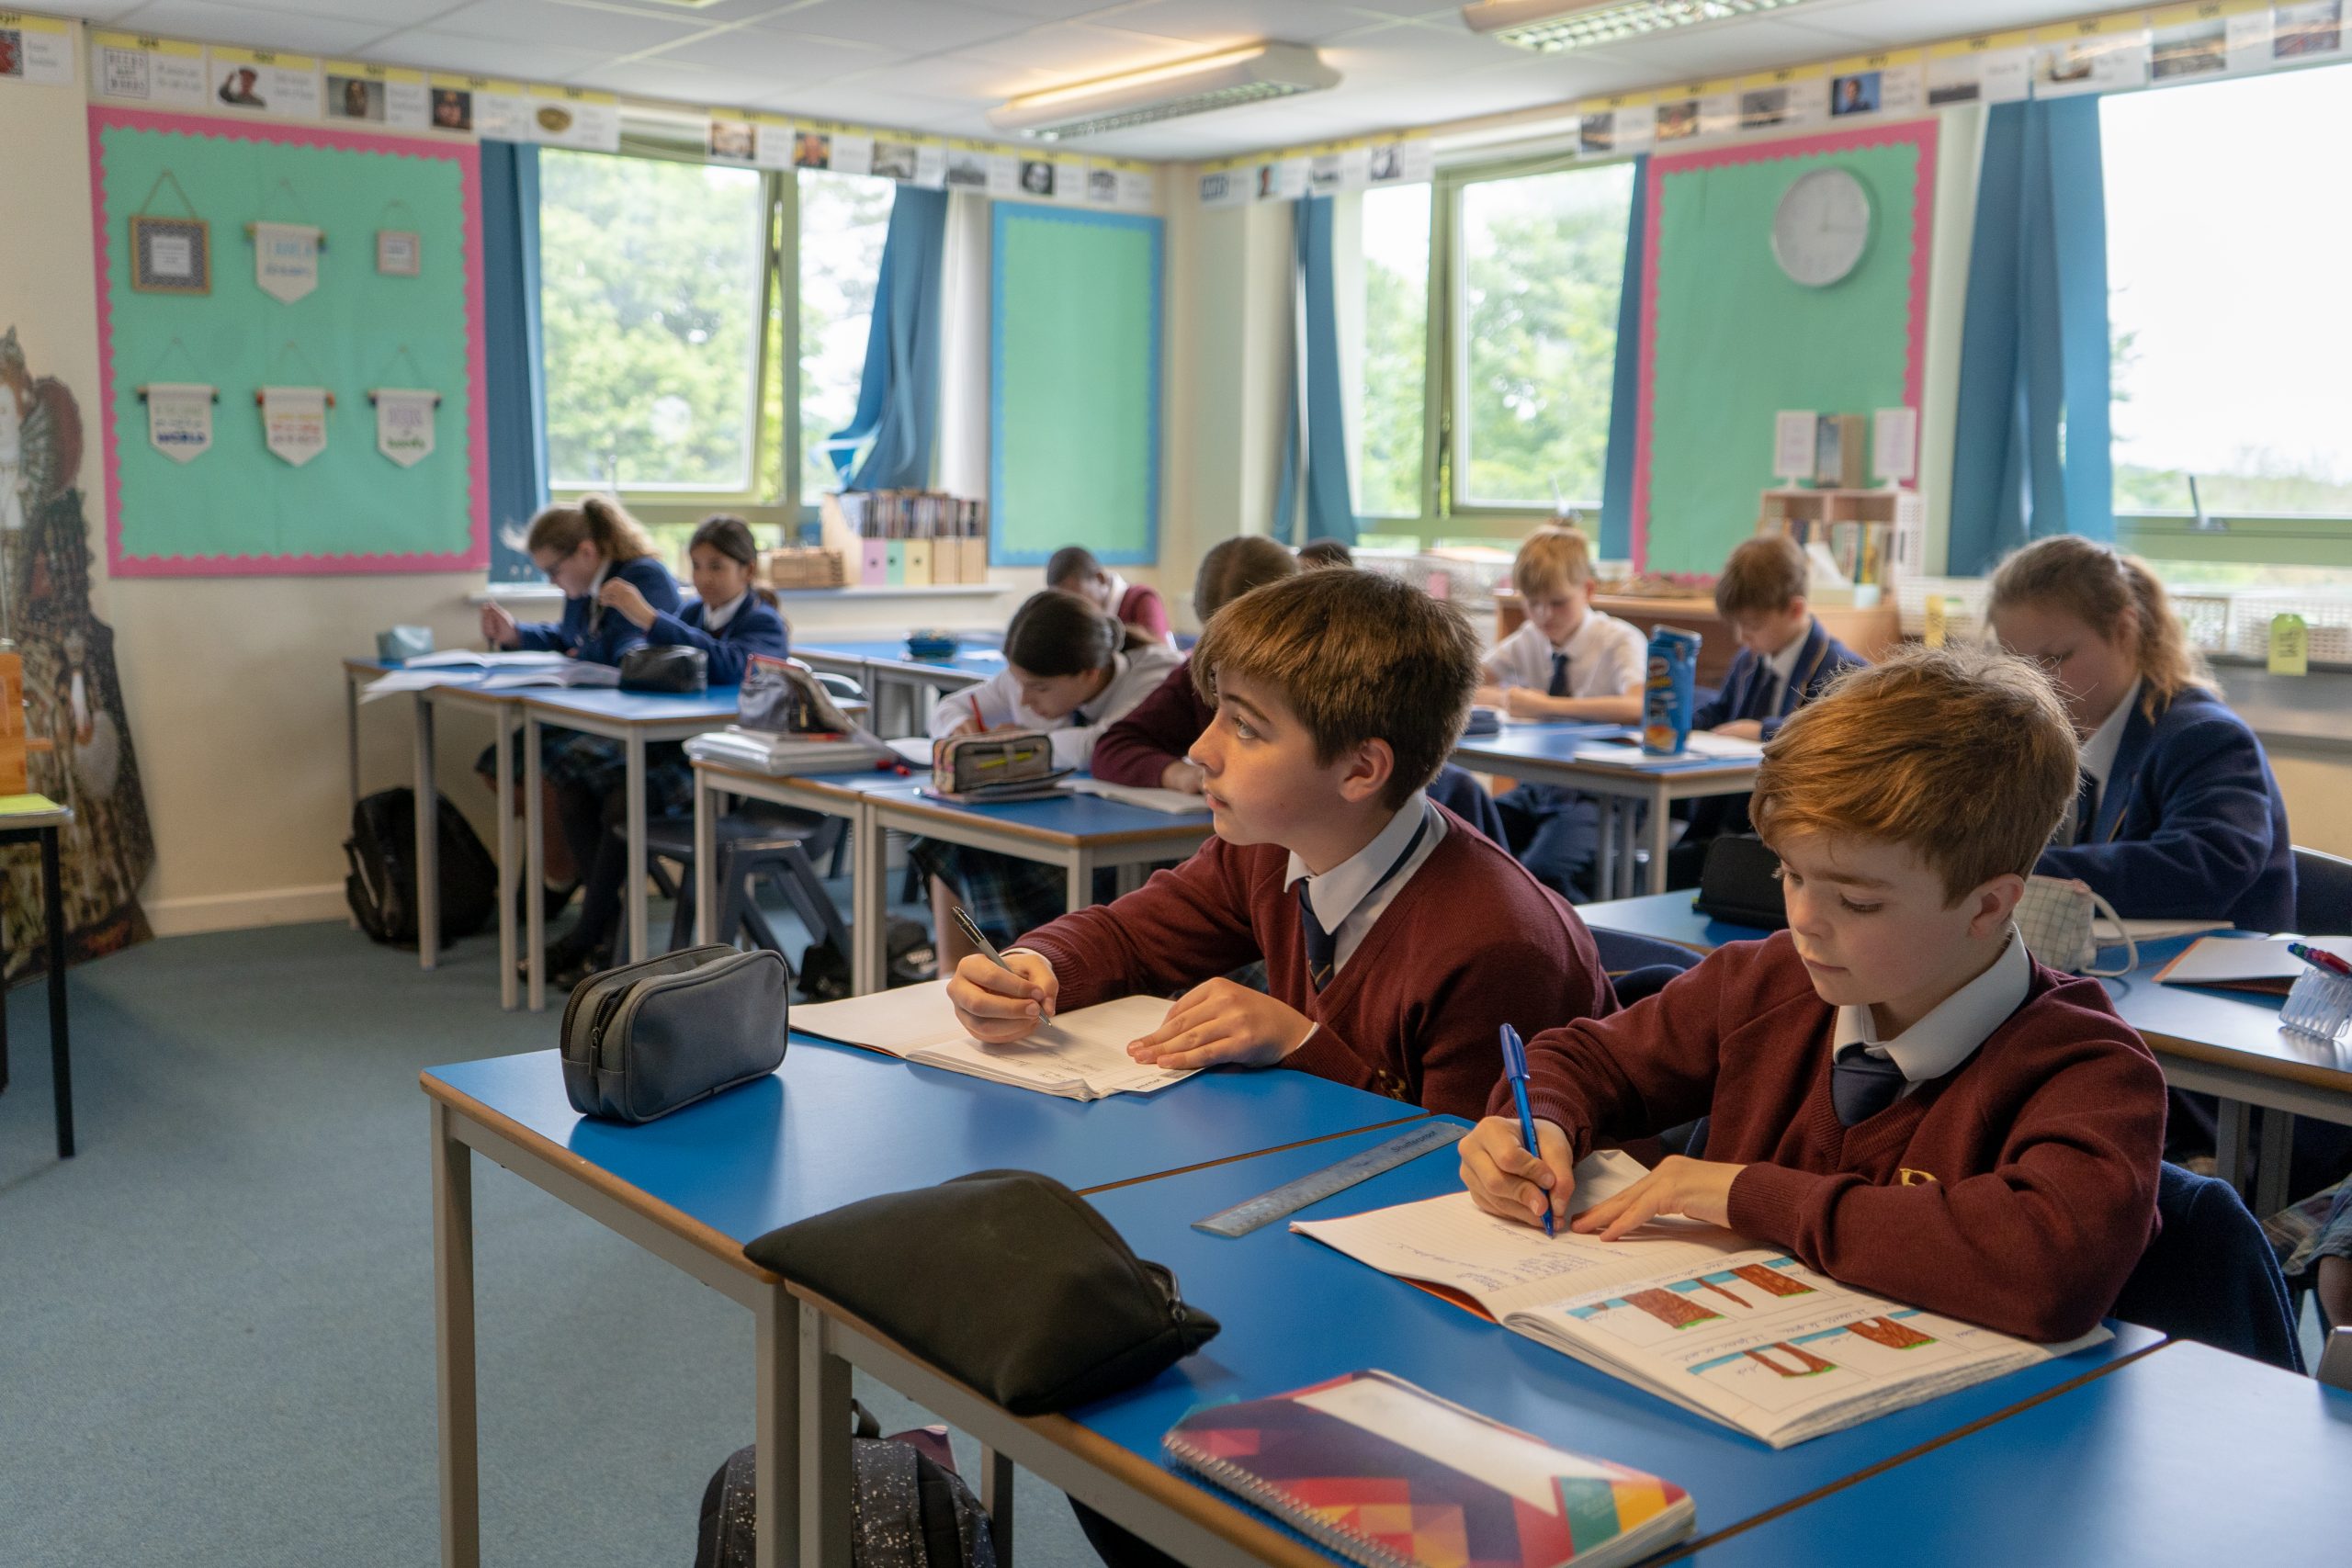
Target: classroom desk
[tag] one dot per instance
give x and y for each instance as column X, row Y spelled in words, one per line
column 2187, row 1455
column 505, row 710
column 691, row 1188
column 27, row 819
column 1294, row 1312
column 884, row 666
column 636, row 719
column 357, row 673
column 841, row 795
column 1545, row 753
column 2225, row 1043
column 1080, row 833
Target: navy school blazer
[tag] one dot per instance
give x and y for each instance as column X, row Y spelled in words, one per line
column 2190, row 825
column 590, row 632
column 754, row 629
column 1821, row 661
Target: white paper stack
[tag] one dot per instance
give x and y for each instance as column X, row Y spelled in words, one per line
column 1080, row 1055
column 766, row 751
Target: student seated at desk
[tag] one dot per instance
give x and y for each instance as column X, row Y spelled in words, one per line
column 1786, row 659
column 580, row 548
column 1147, row 749
column 1395, row 940
column 2176, row 815
column 1897, row 1093
column 1568, row 661
column 732, row 619
column 1072, row 671
column 1074, row 570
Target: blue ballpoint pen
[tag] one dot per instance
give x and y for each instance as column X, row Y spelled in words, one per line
column 1515, row 1069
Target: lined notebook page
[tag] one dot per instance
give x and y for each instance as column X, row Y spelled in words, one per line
column 897, row 1021
column 1083, row 1054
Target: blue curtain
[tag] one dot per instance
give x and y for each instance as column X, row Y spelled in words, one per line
column 1331, row 500
column 2030, row 455
column 897, row 399
column 514, row 353
column 1616, row 540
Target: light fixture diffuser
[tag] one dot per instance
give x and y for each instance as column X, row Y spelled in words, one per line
column 1251, row 74
column 1552, row 25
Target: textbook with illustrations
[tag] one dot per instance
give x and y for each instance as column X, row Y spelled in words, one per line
column 1740, row 1333
column 1389, row 1475
column 1080, row 1055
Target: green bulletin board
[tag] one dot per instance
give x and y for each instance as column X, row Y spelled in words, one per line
column 237, row 509
column 1074, row 384
column 1729, row 340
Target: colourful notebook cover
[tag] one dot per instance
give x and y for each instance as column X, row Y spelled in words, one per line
column 1388, row 1474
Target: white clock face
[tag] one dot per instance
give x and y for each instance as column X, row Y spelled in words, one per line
column 1821, row 228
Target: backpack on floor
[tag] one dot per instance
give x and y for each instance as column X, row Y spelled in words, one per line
column 911, row 1508
column 909, row 959
column 381, row 886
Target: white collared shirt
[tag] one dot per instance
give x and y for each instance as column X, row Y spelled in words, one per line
column 1607, row 658
column 1134, row 675
column 1953, row 1028
column 1345, row 900
column 1782, row 667
column 712, row 620
column 595, row 584
column 2098, row 752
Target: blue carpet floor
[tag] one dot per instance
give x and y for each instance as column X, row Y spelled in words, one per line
column 216, row 1326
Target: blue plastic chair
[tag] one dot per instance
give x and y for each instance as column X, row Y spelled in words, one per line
column 2210, row 1275
column 1624, row 951
column 2323, row 893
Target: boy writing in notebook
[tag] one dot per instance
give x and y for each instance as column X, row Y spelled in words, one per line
column 1396, row 939
column 1896, row 1092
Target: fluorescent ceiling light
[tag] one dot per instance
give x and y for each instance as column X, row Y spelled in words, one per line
column 1551, row 25
column 1248, row 75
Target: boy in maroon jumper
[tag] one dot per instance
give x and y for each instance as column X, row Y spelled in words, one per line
column 1395, row 939
column 1897, row 1093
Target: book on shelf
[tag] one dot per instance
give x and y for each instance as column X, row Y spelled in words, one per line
column 1739, row 1334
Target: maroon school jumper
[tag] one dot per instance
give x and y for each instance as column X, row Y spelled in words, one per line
column 1471, row 942
column 1142, row 606
column 2017, row 1190
column 1156, row 731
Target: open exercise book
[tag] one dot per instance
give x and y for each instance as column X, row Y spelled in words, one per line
column 1746, row 1336
column 1080, row 1055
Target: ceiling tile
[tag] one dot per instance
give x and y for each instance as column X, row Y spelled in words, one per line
column 1213, row 22
column 658, row 76
column 781, row 57
column 862, row 103
column 1925, row 21
column 960, row 77
column 1724, row 48
column 91, row 10
column 608, row 28
column 255, row 29
column 907, row 26
column 1077, row 51
column 482, row 57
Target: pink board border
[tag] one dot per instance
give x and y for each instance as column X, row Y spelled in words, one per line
column 467, row 158
column 1920, row 133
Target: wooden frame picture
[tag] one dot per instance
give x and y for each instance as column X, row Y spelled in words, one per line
column 171, row 255
column 399, row 253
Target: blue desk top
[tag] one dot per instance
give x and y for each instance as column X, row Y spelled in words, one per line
column 1533, row 742
column 972, row 658
column 2188, row 1455
column 1295, row 1312
column 836, row 1124
column 634, row 707
column 1062, row 816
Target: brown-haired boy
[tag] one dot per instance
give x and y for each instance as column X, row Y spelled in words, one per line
column 1568, row 662
column 1395, row 939
column 1897, row 1093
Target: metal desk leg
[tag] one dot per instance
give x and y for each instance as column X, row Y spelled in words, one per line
column 869, row 900
column 428, row 841
column 996, row 1496
column 823, row 1536
column 635, row 749
column 1661, row 824
column 535, row 867
column 60, row 1062
column 506, row 987
column 2233, row 1137
column 351, row 746
column 1604, row 846
column 453, row 1324
column 706, row 888
column 2271, row 1193
column 1077, row 890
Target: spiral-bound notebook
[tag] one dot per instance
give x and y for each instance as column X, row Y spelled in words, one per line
column 1388, row 1474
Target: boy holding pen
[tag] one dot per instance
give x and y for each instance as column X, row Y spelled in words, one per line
column 1396, row 941
column 1897, row 1093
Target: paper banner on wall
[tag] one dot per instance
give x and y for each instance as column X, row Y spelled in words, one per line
column 1719, row 108
column 2313, row 29
column 381, row 95
column 148, row 70
column 735, row 138
column 2217, row 38
column 286, row 260
column 179, row 419
column 294, row 421
column 1228, row 184
column 1992, row 68
column 1772, row 100
column 36, row 49
column 1070, row 182
column 263, row 80
column 1411, row 161
column 1893, row 84
column 576, row 118
column 502, row 112
column 404, row 423
column 2107, row 54
column 930, row 164
column 1677, row 114
column 1627, row 123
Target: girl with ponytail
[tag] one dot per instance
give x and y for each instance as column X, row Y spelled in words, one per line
column 580, row 548
column 2178, row 816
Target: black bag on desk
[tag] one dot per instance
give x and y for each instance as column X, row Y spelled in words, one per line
column 673, row 669
column 646, row 1039
column 1005, row 1280
column 1740, row 883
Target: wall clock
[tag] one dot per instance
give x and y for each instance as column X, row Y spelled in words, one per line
column 1822, row 227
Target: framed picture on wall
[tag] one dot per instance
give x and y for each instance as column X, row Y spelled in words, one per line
column 399, row 253
column 171, row 255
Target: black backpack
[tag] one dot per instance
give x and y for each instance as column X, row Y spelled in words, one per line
column 912, row 1510
column 909, row 959
column 382, row 884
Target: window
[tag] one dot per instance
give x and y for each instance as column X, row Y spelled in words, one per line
column 1388, row 464
column 844, row 221
column 652, row 278
column 2229, row 348
column 1541, row 263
